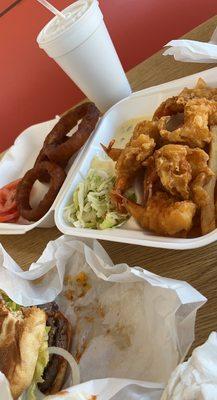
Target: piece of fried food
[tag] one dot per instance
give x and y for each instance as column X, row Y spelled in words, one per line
column 195, row 130
column 184, row 171
column 168, row 107
column 201, row 90
column 163, row 214
column 176, row 104
column 24, row 188
column 113, row 152
column 208, row 218
column 131, row 160
column 149, row 128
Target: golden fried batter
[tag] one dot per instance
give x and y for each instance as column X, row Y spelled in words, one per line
column 163, row 214
column 195, row 131
column 131, row 160
column 174, row 169
column 169, row 107
column 149, row 128
column 176, row 104
column 200, row 91
column 183, row 171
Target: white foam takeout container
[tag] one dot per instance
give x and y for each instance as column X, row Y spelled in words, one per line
column 140, row 103
column 21, row 157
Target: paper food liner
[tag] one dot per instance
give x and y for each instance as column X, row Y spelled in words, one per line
column 100, row 389
column 128, row 323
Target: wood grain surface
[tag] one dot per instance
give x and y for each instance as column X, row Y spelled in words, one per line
column 198, row 267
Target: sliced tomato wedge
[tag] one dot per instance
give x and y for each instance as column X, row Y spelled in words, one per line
column 9, row 217
column 8, row 197
column 11, row 185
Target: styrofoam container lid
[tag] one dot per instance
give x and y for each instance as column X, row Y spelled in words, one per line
column 59, row 37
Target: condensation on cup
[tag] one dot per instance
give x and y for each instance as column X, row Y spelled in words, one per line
column 82, row 47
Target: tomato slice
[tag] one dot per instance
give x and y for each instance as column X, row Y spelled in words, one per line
column 8, row 197
column 11, row 185
column 9, row 217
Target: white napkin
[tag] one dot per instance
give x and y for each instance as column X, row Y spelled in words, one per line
column 193, row 51
column 196, row 378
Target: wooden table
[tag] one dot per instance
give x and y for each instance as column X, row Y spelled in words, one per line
column 198, row 267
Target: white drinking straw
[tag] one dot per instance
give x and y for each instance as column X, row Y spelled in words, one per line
column 52, row 8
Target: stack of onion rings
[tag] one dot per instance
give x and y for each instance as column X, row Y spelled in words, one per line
column 57, row 149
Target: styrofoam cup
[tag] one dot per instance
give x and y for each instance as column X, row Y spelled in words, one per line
column 81, row 45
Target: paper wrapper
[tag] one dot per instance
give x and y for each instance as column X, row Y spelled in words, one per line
column 193, row 51
column 100, row 389
column 128, row 323
column 197, row 377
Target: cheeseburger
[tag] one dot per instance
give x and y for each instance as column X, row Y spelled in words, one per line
column 25, row 335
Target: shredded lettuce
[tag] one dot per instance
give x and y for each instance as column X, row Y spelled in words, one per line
column 9, row 303
column 91, row 206
column 43, row 358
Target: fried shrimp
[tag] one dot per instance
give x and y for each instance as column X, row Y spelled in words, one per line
column 195, row 130
column 163, row 214
column 113, row 152
column 131, row 160
column 183, row 171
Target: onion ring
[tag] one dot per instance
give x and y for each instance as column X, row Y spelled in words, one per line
column 44, row 176
column 59, row 151
column 57, row 177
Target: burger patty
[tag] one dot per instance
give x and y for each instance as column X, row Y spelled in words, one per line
column 59, row 336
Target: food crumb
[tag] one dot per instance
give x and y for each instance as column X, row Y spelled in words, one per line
column 68, row 294
column 82, row 278
column 76, row 286
column 80, row 353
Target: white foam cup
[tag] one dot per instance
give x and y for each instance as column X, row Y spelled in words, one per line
column 82, row 47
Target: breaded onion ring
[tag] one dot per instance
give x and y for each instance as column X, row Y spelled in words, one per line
column 59, row 151
column 57, row 177
column 44, row 176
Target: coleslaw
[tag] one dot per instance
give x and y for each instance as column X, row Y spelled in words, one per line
column 91, row 206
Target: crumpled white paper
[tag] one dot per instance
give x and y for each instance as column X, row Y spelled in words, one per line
column 197, row 377
column 193, row 51
column 129, row 324
column 100, row 389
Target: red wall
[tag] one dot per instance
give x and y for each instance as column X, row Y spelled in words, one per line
column 33, row 88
